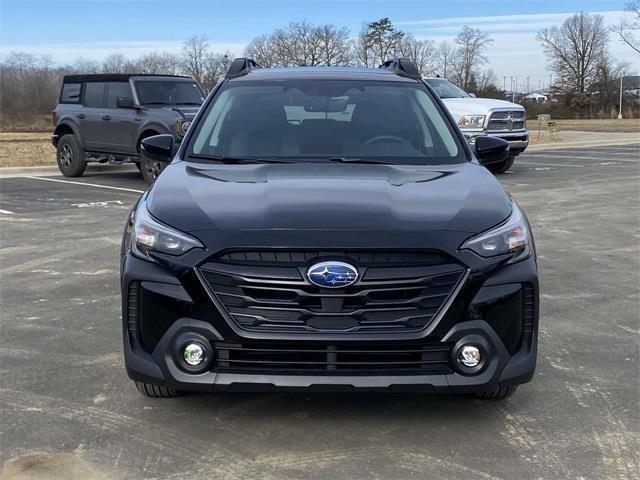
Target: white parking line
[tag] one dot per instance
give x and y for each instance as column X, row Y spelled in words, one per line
column 85, row 184
column 549, row 164
column 6, row 212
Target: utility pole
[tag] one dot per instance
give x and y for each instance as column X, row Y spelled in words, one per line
column 620, row 108
column 528, row 91
column 504, row 83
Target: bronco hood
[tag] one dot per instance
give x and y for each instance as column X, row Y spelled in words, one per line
column 195, row 196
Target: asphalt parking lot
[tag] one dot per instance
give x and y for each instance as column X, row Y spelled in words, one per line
column 69, row 411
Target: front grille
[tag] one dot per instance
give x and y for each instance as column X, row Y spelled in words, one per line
column 506, row 121
column 303, row 257
column 398, row 296
column 332, row 359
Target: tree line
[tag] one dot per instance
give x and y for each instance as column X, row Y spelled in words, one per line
column 29, row 84
column 577, row 52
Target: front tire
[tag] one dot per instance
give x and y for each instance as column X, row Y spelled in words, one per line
column 70, row 156
column 155, row 391
column 503, row 166
column 150, row 169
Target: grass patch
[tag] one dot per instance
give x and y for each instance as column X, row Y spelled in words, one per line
column 626, row 125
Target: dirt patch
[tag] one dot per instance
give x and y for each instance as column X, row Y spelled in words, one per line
column 52, row 466
column 26, row 149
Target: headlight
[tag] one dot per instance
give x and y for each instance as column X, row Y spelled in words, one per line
column 471, row 121
column 512, row 236
column 183, row 127
column 149, row 235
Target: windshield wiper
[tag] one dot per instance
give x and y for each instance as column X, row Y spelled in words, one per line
column 188, row 103
column 235, row 160
column 356, row 160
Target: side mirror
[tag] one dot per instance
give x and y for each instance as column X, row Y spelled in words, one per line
column 472, row 95
column 124, row 102
column 158, row 147
column 490, row 149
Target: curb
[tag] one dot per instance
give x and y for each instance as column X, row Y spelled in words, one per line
column 45, row 171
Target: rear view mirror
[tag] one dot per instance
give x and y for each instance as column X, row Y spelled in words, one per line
column 124, row 102
column 158, row 147
column 491, row 149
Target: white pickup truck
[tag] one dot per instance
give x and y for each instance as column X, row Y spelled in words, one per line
column 485, row 116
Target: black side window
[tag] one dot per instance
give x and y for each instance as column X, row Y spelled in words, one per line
column 115, row 90
column 94, row 94
column 70, row 93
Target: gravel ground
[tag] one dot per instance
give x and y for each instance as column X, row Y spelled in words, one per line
column 68, row 410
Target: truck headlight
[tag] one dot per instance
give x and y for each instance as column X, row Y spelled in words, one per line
column 183, row 126
column 471, row 121
column 512, row 236
column 148, row 235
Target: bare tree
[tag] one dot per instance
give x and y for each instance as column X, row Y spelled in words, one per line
column 194, row 52
column 29, row 86
column 472, row 44
column 421, row 52
column 215, row 66
column 297, row 45
column 445, row 57
column 82, row 65
column 159, row 62
column 301, row 44
column 333, row 45
column 118, row 63
column 605, row 88
column 263, row 51
column 485, row 85
column 574, row 49
column 362, row 55
column 629, row 30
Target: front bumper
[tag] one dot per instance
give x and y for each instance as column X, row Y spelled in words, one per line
column 518, row 141
column 173, row 308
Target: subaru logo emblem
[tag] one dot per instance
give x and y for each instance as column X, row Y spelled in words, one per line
column 332, row 274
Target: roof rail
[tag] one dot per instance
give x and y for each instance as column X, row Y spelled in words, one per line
column 402, row 67
column 241, row 66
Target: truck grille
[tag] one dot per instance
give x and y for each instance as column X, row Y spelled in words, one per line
column 394, row 293
column 506, row 121
column 328, row 359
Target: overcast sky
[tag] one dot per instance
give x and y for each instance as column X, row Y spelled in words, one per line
column 92, row 29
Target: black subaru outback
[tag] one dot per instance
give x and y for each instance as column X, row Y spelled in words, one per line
column 104, row 118
column 328, row 228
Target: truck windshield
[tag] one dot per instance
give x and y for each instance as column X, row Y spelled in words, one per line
column 446, row 89
column 168, row 92
column 330, row 120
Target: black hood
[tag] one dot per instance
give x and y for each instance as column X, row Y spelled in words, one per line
column 195, row 197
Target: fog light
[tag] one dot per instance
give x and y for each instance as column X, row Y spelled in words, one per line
column 469, row 356
column 193, row 354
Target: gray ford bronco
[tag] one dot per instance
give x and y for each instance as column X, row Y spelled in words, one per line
column 103, row 118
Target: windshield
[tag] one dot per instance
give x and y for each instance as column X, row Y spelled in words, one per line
column 303, row 120
column 446, row 89
column 168, row 92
